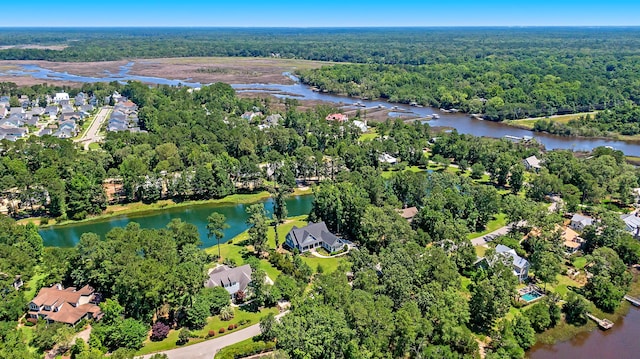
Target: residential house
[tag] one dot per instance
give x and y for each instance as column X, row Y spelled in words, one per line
column 362, row 125
column 127, row 107
column 571, row 241
column 532, row 163
column 86, row 109
column 250, row 115
column 408, row 213
column 578, row 222
column 36, row 112
column 12, row 133
column 387, row 158
column 67, row 108
column 12, row 121
column 312, row 236
column 337, row 117
column 65, row 305
column 80, row 99
column 67, row 129
column 3, row 112
column 52, row 111
column 234, row 280
column 270, row 121
column 75, row 116
column 632, row 223
column 17, row 111
column 520, row 265
column 61, row 97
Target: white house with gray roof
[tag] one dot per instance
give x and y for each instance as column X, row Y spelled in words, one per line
column 233, row 280
column 313, row 235
column 632, row 223
column 578, row 222
column 520, row 265
column 532, row 163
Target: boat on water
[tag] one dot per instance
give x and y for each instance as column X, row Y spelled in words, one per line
column 435, row 116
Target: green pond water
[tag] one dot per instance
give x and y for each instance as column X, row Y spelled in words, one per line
column 69, row 235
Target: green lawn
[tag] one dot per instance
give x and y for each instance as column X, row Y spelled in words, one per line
column 213, row 323
column 480, row 251
column 32, row 284
column 388, row 173
column 329, row 265
column 562, row 287
column 529, row 122
column 580, row 262
column 500, row 220
column 94, row 146
column 371, row 135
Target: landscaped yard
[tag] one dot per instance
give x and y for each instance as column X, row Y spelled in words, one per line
column 529, row 122
column 213, row 323
column 372, row 134
column 500, row 220
column 328, row 264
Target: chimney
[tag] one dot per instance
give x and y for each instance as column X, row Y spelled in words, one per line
column 59, row 286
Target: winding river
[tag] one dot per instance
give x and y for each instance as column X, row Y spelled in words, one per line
column 68, row 236
column 461, row 122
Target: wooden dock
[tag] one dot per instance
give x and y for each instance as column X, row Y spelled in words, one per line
column 632, row 300
column 602, row 323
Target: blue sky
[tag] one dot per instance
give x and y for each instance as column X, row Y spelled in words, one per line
column 328, row 13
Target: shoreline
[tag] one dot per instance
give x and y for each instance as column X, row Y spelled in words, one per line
column 140, row 208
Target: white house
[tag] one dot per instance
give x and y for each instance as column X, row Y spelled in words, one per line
column 519, row 264
column 632, row 223
column 578, row 222
column 61, row 96
column 532, row 163
column 234, row 280
column 387, row 158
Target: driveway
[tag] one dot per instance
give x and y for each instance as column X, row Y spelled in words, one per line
column 208, row 348
column 480, row 241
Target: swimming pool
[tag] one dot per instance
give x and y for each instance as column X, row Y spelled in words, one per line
column 531, row 296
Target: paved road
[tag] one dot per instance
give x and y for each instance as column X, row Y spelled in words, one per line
column 208, row 348
column 479, row 241
column 92, row 133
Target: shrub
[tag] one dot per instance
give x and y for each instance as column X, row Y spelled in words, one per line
column 230, row 327
column 227, row 313
column 242, row 322
column 221, row 330
column 244, row 349
column 183, row 336
column 159, row 331
column 212, row 333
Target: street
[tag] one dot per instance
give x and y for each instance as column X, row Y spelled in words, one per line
column 92, row 133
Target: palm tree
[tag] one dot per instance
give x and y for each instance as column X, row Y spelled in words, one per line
column 216, row 224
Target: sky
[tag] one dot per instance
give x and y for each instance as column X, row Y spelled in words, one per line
column 328, row 13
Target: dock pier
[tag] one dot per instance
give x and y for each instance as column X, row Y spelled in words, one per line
column 632, row 300
column 602, row 323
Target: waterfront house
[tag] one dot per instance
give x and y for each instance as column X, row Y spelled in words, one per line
column 234, row 280
column 65, row 305
column 312, row 236
column 578, row 222
column 532, row 163
column 337, row 117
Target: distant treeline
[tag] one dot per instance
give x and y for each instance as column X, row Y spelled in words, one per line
column 416, row 46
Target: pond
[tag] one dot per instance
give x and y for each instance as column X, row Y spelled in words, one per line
column 69, row 235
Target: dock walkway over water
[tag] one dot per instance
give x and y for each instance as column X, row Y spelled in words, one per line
column 602, row 323
column 632, row 300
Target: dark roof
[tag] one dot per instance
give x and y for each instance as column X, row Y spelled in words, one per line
column 224, row 276
column 318, row 231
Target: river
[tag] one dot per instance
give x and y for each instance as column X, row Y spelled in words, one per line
column 621, row 341
column 461, row 122
column 68, row 236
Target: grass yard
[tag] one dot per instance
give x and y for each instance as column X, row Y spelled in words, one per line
column 499, row 220
column 213, row 323
column 329, row 265
column 579, row 262
column 370, row 135
column 529, row 122
column 480, row 251
column 388, row 173
column 562, row 287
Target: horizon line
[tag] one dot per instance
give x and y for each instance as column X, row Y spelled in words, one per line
column 317, row 27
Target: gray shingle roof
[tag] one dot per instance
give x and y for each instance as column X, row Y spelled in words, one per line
column 232, row 279
column 318, row 231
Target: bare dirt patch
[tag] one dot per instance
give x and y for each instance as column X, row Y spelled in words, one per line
column 35, row 47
